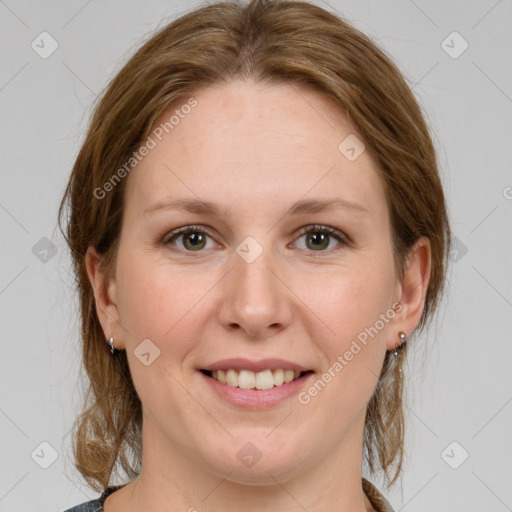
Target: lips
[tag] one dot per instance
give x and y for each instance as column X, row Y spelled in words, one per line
column 255, row 366
column 255, row 399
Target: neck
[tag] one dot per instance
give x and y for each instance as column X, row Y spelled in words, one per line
column 170, row 479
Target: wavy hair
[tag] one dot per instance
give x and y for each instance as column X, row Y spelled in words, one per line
column 293, row 42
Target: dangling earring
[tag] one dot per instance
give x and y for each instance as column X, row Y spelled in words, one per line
column 403, row 339
column 111, row 342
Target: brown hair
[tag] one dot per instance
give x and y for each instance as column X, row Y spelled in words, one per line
column 269, row 42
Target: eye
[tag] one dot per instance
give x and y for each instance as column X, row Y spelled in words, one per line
column 320, row 238
column 193, row 239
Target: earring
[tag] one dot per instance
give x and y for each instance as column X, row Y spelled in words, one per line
column 403, row 339
column 111, row 342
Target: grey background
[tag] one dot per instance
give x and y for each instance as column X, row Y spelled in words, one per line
column 462, row 391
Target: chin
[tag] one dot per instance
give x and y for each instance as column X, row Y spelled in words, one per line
column 257, row 463
column 261, row 474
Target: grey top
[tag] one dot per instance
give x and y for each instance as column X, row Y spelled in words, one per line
column 379, row 503
column 97, row 504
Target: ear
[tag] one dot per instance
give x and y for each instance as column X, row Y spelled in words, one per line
column 104, row 287
column 412, row 291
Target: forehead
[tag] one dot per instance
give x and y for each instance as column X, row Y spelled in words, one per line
column 245, row 145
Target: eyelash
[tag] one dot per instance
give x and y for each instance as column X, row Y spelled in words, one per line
column 314, row 228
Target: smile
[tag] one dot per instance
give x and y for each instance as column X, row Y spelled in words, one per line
column 255, row 384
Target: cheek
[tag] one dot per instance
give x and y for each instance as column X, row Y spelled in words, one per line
column 164, row 306
column 357, row 308
column 158, row 302
column 352, row 299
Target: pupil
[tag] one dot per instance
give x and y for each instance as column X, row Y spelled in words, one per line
column 195, row 240
column 319, row 237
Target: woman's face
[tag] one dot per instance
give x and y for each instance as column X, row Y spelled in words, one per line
column 289, row 269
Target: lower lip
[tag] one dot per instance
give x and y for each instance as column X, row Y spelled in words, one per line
column 256, row 398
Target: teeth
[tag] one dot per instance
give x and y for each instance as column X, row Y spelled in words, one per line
column 232, row 378
column 288, row 375
column 246, row 379
column 264, row 379
column 278, row 377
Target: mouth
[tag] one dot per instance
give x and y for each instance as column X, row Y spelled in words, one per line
column 252, row 384
column 259, row 380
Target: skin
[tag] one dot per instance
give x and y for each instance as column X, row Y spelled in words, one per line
column 254, row 150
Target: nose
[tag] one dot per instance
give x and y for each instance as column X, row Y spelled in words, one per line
column 255, row 298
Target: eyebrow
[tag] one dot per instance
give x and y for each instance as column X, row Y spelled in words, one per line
column 194, row 205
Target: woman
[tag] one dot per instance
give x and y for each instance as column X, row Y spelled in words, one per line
column 257, row 225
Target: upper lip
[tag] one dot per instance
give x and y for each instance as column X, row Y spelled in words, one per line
column 255, row 366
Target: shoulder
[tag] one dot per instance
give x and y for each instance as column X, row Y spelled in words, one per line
column 89, row 506
column 94, row 505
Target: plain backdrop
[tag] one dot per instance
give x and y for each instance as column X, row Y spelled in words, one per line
column 459, row 414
